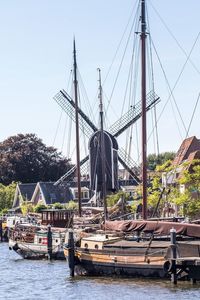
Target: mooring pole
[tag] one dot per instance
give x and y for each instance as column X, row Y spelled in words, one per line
column 49, row 242
column 1, row 231
column 173, row 255
column 71, row 253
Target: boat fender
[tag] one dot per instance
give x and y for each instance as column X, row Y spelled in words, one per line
column 167, row 267
column 15, row 247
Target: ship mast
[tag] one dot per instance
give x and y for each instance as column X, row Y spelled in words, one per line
column 143, row 92
column 102, row 149
column 78, row 173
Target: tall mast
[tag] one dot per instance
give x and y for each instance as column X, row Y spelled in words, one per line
column 144, row 133
column 77, row 132
column 102, row 149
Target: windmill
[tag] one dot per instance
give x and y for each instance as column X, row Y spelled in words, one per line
column 90, row 130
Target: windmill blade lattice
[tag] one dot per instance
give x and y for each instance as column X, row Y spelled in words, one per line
column 133, row 115
column 68, row 105
column 128, row 163
column 73, row 170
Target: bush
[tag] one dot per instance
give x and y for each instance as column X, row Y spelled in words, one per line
column 27, row 208
column 39, row 207
column 72, row 205
column 58, row 205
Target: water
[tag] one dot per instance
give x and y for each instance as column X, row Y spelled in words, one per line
column 40, row 280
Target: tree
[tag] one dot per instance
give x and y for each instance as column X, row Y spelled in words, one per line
column 27, row 208
column 190, row 199
column 25, row 158
column 188, row 202
column 153, row 160
column 7, row 195
column 114, row 198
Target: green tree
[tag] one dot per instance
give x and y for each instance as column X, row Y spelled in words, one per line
column 153, row 160
column 191, row 176
column 26, row 208
column 25, row 158
column 114, row 198
column 7, row 195
column 189, row 201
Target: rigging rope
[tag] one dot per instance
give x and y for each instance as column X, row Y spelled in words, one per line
column 173, row 36
column 154, row 115
column 120, row 66
column 192, row 117
column 172, row 90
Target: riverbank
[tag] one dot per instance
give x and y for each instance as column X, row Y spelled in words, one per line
column 29, row 280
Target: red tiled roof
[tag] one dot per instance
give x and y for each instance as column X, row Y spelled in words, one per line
column 188, row 146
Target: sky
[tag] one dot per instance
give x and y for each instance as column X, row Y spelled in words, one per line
column 36, row 61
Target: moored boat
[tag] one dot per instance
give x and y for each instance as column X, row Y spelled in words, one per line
column 31, row 242
column 139, row 249
column 45, row 240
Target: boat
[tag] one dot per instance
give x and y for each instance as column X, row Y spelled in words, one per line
column 139, row 249
column 31, row 242
column 42, row 241
column 148, row 249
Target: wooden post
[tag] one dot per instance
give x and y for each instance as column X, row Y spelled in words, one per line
column 1, row 231
column 193, row 280
column 173, row 255
column 49, row 242
column 71, row 252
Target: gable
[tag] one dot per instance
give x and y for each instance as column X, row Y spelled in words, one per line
column 187, row 147
column 24, row 191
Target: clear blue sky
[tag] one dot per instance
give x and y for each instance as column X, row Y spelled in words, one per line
column 36, row 54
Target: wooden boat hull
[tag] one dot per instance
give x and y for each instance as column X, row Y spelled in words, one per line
column 100, row 263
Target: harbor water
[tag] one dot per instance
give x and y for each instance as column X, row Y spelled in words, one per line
column 40, row 280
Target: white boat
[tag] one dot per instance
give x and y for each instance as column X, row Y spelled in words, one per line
column 33, row 242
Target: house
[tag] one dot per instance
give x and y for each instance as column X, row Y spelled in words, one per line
column 188, row 151
column 47, row 193
column 23, row 192
column 85, row 193
column 188, row 146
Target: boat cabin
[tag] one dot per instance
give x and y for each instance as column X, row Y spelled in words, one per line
column 97, row 241
column 57, row 217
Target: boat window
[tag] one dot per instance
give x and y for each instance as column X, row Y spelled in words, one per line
column 96, row 246
column 56, row 241
column 40, row 240
column 86, row 245
column 56, row 216
column 44, row 216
